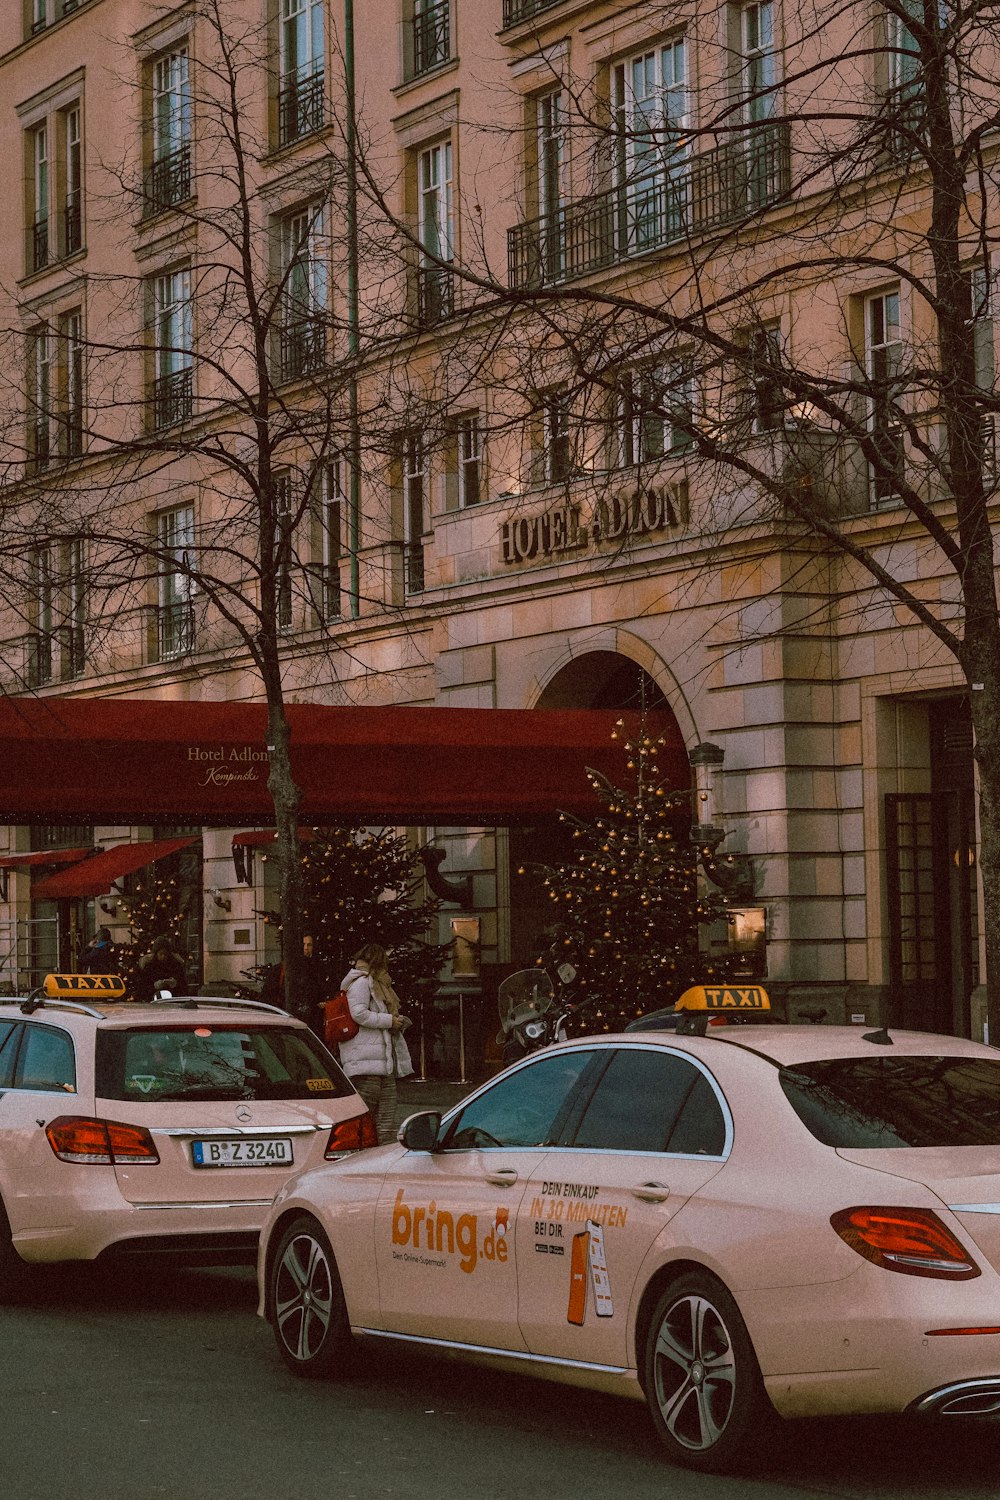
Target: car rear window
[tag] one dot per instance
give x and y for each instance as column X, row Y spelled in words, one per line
column 201, row 1061
column 885, row 1102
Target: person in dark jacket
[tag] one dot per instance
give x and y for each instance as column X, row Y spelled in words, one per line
column 100, row 957
column 313, row 994
column 161, row 968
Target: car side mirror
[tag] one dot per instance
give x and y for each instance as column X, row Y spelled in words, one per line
column 420, row 1132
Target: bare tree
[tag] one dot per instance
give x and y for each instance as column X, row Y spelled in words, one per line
column 779, row 283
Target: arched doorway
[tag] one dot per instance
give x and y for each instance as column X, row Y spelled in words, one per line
column 595, row 679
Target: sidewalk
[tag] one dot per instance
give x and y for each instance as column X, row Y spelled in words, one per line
column 414, row 1094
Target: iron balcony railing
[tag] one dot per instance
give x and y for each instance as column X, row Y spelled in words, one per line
column 707, row 192
column 523, row 10
column 38, row 659
column 38, row 244
column 302, row 348
column 431, row 37
column 41, row 440
column 72, row 225
column 168, row 181
column 435, row 295
column 301, row 106
column 413, row 563
column 173, row 398
column 174, row 630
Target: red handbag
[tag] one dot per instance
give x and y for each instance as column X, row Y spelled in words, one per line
column 338, row 1023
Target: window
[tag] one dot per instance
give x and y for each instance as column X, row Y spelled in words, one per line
column 38, row 235
column 469, row 459
column 758, row 60
column 883, row 359
column 41, row 651
column 430, row 35
column 557, row 449
column 882, row 1103
column 74, row 656
column 650, row 99
column 301, row 68
column 39, row 414
column 173, row 353
column 435, row 230
column 304, row 291
column 330, row 543
column 550, row 153
column 979, row 317
column 767, row 397
column 42, row 13
column 157, row 1064
column 526, row 1108
column 46, row 1061
column 168, row 181
column 175, row 614
column 56, row 610
column 652, row 1101
column 905, row 80
column 414, row 484
column 10, row 1034
column 285, row 544
column 71, row 381
column 73, row 180
column 654, row 413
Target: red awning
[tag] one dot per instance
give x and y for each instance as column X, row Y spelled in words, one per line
column 253, row 838
column 95, row 875
column 121, row 760
column 43, row 857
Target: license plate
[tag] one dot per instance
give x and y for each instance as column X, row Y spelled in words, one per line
column 276, row 1153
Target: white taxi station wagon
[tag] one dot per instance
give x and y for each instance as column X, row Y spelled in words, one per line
column 731, row 1221
column 166, row 1127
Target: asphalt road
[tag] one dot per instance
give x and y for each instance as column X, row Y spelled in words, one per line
column 167, row 1385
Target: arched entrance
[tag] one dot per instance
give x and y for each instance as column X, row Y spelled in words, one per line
column 595, row 679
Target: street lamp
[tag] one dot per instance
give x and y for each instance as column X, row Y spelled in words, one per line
column 732, row 873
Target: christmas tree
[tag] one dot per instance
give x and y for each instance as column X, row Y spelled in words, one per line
column 367, row 887
column 627, row 902
column 155, row 910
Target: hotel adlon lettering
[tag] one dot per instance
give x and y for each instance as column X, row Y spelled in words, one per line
column 614, row 518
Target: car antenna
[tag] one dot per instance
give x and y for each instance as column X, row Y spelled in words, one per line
column 880, row 1038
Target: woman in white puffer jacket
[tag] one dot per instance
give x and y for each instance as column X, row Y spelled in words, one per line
column 378, row 1055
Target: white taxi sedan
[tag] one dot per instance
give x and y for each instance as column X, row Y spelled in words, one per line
column 130, row 1128
column 750, row 1221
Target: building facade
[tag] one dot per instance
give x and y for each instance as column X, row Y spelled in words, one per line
column 560, row 326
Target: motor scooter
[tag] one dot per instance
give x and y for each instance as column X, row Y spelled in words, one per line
column 534, row 1005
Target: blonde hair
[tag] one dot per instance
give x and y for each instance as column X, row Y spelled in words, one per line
column 374, row 955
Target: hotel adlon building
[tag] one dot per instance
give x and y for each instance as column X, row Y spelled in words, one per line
column 526, row 538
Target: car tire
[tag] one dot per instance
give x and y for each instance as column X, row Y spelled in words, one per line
column 13, row 1270
column 308, row 1312
column 702, row 1381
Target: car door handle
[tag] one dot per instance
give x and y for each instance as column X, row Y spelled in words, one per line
column 651, row 1192
column 502, row 1176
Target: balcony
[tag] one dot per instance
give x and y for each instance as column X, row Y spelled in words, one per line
column 301, row 106
column 435, row 295
column 173, row 398
column 168, row 182
column 413, row 567
column 716, row 188
column 302, row 348
column 523, row 10
column 172, row 634
column 38, row 245
column 38, row 659
column 40, row 441
column 431, row 37
column 72, row 225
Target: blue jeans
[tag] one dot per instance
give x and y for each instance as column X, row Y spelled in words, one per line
column 379, row 1094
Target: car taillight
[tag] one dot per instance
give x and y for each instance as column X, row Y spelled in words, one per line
column 101, row 1142
column 352, row 1135
column 911, row 1240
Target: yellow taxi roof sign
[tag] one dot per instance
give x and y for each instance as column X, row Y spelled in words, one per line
column 719, row 999
column 83, row 986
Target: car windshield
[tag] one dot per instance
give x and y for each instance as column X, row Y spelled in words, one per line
column 215, row 1062
column 886, row 1102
